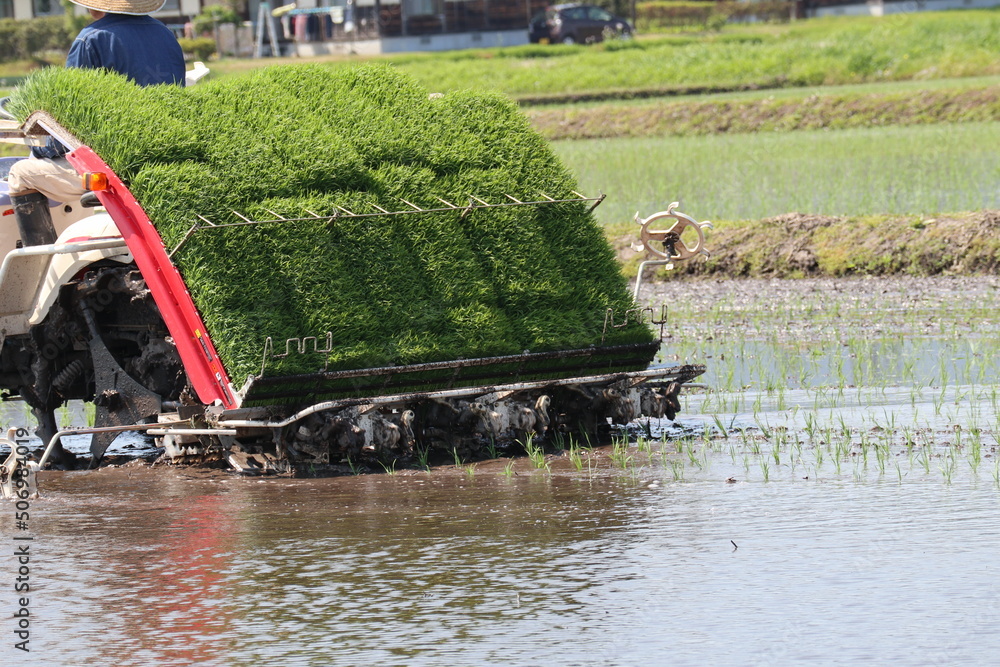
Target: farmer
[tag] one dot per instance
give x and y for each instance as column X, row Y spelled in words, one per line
column 125, row 39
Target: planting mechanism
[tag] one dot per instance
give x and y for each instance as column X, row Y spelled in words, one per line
column 104, row 315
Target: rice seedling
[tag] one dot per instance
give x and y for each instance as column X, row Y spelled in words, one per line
column 975, row 456
column 64, row 416
column 881, row 455
column 355, row 468
column 491, row 448
column 407, row 289
column 423, row 455
column 948, row 464
column 620, row 455
column 535, row 452
column 692, row 454
column 925, row 458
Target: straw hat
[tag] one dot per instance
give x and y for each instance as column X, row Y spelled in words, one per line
column 133, row 7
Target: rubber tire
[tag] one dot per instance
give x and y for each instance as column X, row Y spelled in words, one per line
column 568, row 39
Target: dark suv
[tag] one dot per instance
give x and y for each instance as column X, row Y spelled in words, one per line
column 573, row 23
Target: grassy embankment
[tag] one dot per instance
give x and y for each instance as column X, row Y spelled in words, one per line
column 774, row 145
column 891, row 181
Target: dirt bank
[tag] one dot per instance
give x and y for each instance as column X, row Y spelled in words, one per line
column 833, row 111
column 797, row 245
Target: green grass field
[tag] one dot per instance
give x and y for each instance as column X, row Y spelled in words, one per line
column 829, row 51
column 920, row 169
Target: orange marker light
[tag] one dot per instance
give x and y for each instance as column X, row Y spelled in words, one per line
column 95, row 181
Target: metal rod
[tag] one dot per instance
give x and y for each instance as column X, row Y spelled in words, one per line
column 605, row 352
column 638, row 276
column 650, row 374
column 57, row 249
column 192, row 431
column 184, row 240
column 461, row 376
column 382, row 213
column 596, row 203
column 416, row 210
column 98, row 429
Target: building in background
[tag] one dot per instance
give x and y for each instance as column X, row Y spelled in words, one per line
column 174, row 11
column 314, row 27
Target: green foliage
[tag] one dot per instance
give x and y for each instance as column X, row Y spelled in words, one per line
column 288, row 142
column 814, row 52
column 22, row 39
column 661, row 14
column 199, row 48
column 213, row 15
column 73, row 20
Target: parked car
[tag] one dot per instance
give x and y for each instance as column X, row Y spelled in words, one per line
column 576, row 24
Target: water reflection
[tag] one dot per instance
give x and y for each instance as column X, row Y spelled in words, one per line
column 169, row 567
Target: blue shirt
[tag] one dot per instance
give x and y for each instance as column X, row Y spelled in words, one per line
column 140, row 47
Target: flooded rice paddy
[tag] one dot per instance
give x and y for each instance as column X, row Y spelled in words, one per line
column 828, row 497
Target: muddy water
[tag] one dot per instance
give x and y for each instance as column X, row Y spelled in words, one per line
column 167, row 567
column 831, row 523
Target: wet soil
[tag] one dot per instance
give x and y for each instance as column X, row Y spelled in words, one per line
column 885, row 294
column 827, row 110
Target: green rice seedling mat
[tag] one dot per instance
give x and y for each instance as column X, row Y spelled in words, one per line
column 290, row 142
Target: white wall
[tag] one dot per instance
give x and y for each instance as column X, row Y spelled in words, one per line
column 23, row 9
column 438, row 42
